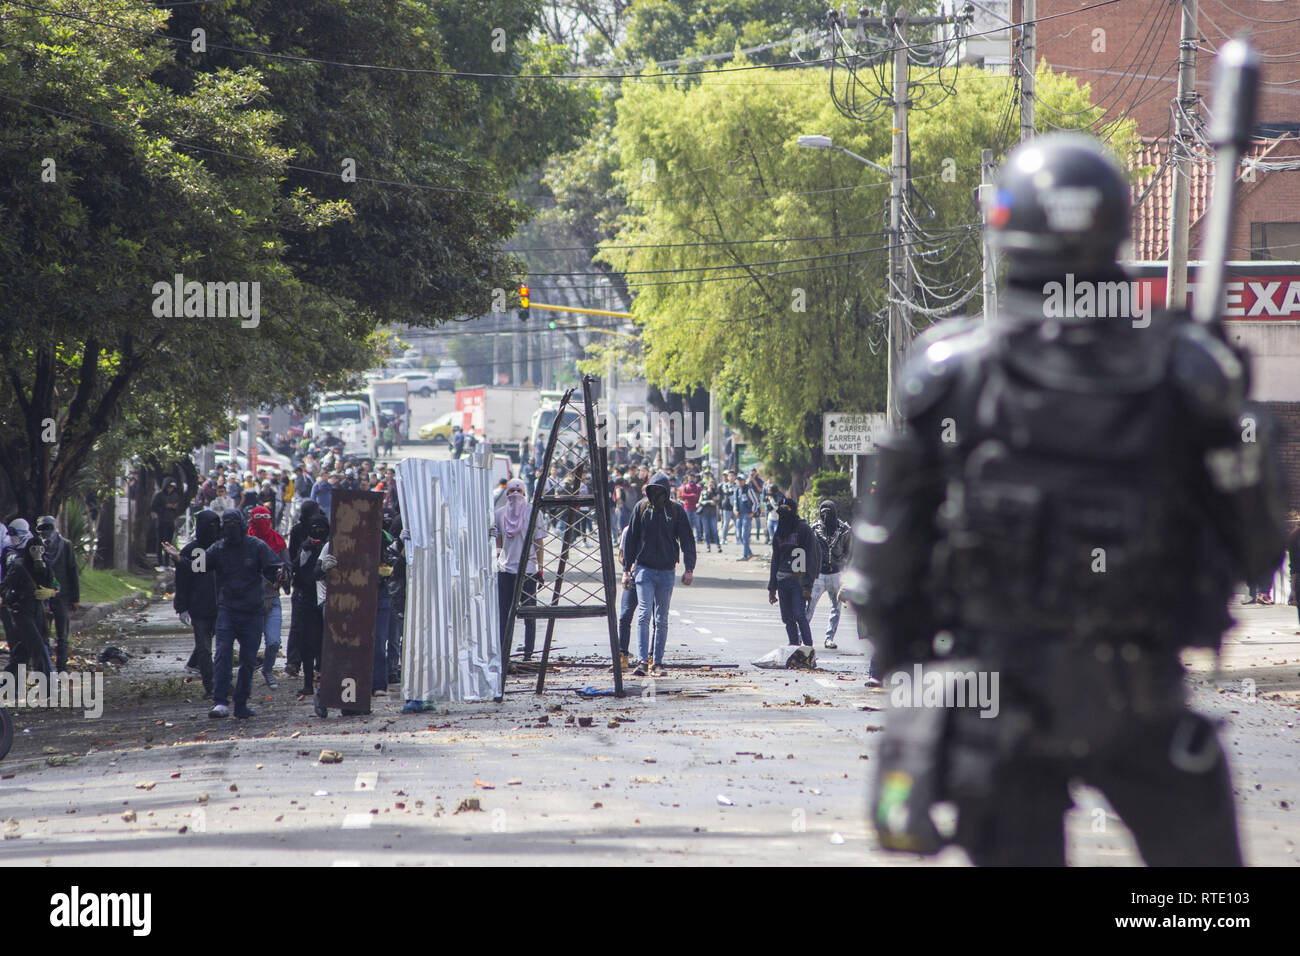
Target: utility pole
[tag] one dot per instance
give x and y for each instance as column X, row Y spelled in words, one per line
column 987, row 171
column 1179, row 146
column 1028, row 36
column 899, row 175
column 900, row 279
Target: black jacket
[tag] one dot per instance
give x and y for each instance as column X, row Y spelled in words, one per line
column 63, row 565
column 196, row 591
column 656, row 537
column 240, row 570
column 786, row 555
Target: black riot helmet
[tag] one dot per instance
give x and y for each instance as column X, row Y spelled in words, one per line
column 1061, row 205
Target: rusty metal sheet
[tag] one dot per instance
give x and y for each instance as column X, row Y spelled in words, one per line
column 351, row 600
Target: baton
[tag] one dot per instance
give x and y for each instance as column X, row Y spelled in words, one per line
column 1236, row 84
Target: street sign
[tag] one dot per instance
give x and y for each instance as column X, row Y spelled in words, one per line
column 851, row 433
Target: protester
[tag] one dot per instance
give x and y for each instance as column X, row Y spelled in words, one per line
column 628, row 607
column 27, row 582
column 747, row 505
column 304, row 601
column 166, row 508
column 389, row 436
column 727, row 504
column 834, row 539
column 707, row 516
column 195, row 601
column 260, row 527
column 689, row 495
column 323, row 493
column 658, row 536
column 397, row 594
column 796, row 564
column 383, row 619
column 509, row 526
column 242, row 564
column 297, row 534
column 62, row 563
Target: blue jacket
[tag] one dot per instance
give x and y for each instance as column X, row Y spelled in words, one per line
column 656, row 537
column 745, row 505
column 321, row 493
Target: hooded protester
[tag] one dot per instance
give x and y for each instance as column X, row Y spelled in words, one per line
column 657, row 536
column 63, row 565
column 267, row 499
column 834, row 539
column 260, row 528
column 796, row 563
column 242, row 564
column 196, row 592
column 307, row 511
column 383, row 617
column 509, row 526
column 303, row 604
column 166, row 507
column 20, row 532
column 27, row 582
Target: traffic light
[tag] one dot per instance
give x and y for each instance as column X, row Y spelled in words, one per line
column 523, row 303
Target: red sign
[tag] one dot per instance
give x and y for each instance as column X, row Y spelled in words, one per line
column 1255, row 291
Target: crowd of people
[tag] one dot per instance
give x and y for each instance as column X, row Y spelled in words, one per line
column 39, row 586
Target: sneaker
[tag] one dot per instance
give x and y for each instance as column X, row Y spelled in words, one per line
column 830, row 644
column 873, row 682
column 291, row 672
column 1248, row 600
column 219, row 710
column 640, row 669
column 243, row 713
column 271, row 682
column 660, row 671
column 413, row 707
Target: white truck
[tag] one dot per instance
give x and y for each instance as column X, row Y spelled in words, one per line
column 501, row 414
column 351, row 418
column 392, row 395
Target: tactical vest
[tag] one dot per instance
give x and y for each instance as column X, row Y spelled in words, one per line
column 1066, row 507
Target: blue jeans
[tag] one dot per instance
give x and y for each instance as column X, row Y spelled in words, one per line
column 694, row 518
column 728, row 519
column 794, row 612
column 271, row 629
column 771, row 527
column 624, row 519
column 709, row 530
column 625, row 612
column 654, row 591
column 744, row 527
column 246, row 628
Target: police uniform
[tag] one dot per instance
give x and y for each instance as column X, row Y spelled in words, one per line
column 1069, row 502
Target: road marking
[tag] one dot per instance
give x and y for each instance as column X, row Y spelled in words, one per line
column 675, row 613
column 719, row 640
column 826, row 683
column 685, row 621
column 366, row 781
column 356, row 821
column 704, row 630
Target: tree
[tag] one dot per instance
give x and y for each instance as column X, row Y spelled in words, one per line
column 760, row 268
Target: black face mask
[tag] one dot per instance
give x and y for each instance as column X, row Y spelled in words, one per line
column 828, row 518
column 231, row 533
column 784, row 521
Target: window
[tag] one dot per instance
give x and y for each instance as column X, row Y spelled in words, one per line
column 1275, row 240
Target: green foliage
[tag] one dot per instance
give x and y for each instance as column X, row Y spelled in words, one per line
column 790, row 329
column 81, row 533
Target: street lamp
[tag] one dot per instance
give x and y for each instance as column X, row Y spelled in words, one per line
column 824, row 142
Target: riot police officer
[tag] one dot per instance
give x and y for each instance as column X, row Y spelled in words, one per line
column 1069, row 501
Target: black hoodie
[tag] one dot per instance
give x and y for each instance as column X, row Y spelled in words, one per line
column 241, row 567
column 794, row 543
column 657, row 536
column 298, row 533
column 196, row 591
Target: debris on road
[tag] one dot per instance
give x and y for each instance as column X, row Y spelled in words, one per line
column 468, row 805
column 330, row 756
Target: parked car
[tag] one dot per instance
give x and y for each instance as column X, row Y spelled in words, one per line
column 438, row 431
column 420, row 381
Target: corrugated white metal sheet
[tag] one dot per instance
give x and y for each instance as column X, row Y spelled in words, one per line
column 451, row 649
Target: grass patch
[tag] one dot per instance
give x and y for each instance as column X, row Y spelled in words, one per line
column 100, row 586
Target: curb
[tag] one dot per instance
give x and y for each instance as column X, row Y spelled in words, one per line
column 88, row 618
